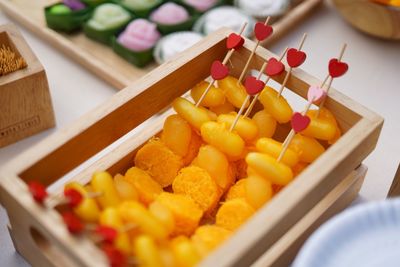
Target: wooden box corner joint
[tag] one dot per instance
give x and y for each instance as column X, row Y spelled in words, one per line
column 25, row 102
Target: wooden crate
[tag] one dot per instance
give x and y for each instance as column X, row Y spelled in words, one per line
column 107, row 133
column 25, row 103
column 100, row 59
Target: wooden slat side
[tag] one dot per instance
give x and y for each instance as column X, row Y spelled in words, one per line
column 284, row 251
column 26, row 214
column 122, row 113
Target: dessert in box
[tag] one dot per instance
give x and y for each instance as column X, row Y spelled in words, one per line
column 191, row 185
column 67, row 16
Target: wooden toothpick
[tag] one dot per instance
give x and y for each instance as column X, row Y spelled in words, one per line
column 254, row 101
column 303, row 39
column 247, row 99
column 331, row 79
column 224, row 62
column 246, row 66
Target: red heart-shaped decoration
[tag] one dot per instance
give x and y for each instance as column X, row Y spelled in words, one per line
column 295, row 57
column 115, row 257
column 234, row 41
column 299, row 122
column 74, row 197
column 74, row 225
column 262, row 31
column 274, row 67
column 108, row 234
column 38, row 191
column 337, row 68
column 253, row 86
column 219, row 70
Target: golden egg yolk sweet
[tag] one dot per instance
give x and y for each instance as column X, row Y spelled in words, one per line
column 233, row 213
column 102, row 182
column 177, row 134
column 278, row 107
column 218, row 136
column 265, row 122
column 274, row 149
column 245, row 127
column 268, row 167
column 234, row 91
column 219, row 170
column 87, row 210
column 195, row 116
column 308, row 148
column 215, row 96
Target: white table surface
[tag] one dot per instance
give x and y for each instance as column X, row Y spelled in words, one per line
column 373, row 80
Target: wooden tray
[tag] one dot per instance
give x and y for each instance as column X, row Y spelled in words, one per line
column 105, row 130
column 100, row 59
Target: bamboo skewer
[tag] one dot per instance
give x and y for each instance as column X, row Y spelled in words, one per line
column 226, row 59
column 303, row 39
column 246, row 66
column 253, row 102
column 331, row 79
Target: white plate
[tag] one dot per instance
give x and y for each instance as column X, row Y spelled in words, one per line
column 367, row 236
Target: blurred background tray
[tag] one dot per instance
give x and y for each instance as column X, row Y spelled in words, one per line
column 100, row 59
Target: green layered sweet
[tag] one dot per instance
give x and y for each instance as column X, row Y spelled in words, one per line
column 140, row 8
column 107, row 20
column 171, row 17
column 60, row 17
column 94, row 3
column 135, row 44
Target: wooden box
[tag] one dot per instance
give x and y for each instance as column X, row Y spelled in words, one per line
column 25, row 103
column 107, row 139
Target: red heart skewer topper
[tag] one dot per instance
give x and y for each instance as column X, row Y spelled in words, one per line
column 274, row 67
column 38, row 191
column 295, row 57
column 262, row 31
column 253, row 85
column 219, row 70
column 337, row 68
column 234, row 41
column 74, row 225
column 299, row 122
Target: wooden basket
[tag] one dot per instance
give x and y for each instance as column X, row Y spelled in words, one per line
column 106, row 133
column 25, row 103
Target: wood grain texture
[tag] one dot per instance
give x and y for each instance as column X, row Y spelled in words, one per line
column 25, row 102
column 100, row 59
column 372, row 18
column 394, row 190
column 146, row 99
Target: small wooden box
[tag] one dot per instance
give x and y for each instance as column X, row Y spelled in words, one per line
column 25, row 103
column 108, row 137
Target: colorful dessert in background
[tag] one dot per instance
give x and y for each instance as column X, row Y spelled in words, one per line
column 261, row 9
column 137, row 41
column 224, row 16
column 94, row 3
column 67, row 16
column 173, row 44
column 107, row 20
column 141, row 8
column 201, row 5
column 171, row 17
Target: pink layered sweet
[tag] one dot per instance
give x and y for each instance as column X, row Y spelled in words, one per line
column 139, row 35
column 169, row 14
column 201, row 5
